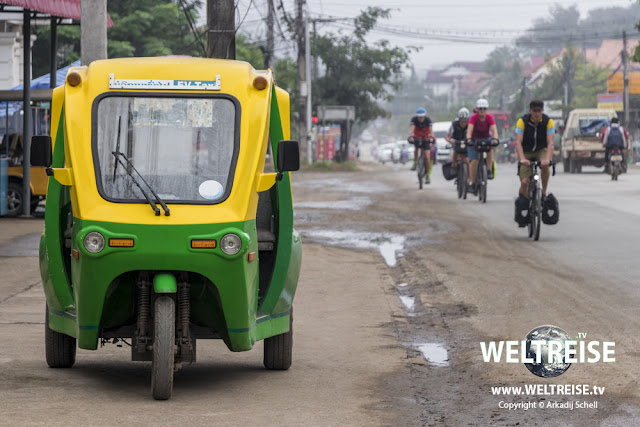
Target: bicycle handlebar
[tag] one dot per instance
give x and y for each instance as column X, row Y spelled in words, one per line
column 537, row 163
column 494, row 141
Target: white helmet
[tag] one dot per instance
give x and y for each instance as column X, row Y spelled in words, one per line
column 463, row 113
column 482, row 103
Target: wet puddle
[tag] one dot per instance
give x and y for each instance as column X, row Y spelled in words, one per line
column 354, row 204
column 408, row 302
column 339, row 185
column 434, row 354
column 390, row 245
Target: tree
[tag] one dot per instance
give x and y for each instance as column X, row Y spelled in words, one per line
column 358, row 72
column 140, row 28
column 583, row 81
column 505, row 69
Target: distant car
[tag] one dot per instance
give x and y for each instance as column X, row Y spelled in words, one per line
column 443, row 152
column 400, row 152
column 384, row 151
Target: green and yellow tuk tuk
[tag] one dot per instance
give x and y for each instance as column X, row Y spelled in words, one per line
column 163, row 224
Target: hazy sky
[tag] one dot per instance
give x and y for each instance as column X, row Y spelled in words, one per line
column 501, row 19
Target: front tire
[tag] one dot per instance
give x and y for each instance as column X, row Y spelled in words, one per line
column 60, row 348
column 278, row 350
column 164, row 337
column 482, row 191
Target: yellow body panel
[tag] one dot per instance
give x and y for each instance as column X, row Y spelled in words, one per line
column 39, row 178
column 236, row 79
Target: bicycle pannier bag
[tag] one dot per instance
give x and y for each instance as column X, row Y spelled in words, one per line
column 550, row 210
column 449, row 171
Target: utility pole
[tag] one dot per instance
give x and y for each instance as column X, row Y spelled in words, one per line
column 315, row 57
column 307, row 68
column 626, row 79
column 221, row 36
column 93, row 31
column 26, row 115
column 302, row 104
column 269, row 60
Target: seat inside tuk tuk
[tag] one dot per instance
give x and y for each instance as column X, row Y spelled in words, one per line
column 265, row 222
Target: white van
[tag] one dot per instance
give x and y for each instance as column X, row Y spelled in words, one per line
column 444, row 153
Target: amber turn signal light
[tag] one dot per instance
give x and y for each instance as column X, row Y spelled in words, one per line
column 251, row 256
column 121, row 243
column 260, row 83
column 203, row 244
column 74, row 79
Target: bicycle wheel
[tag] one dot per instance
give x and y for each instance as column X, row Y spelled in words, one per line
column 460, row 180
column 421, row 170
column 483, row 187
column 465, row 179
column 530, row 211
column 537, row 217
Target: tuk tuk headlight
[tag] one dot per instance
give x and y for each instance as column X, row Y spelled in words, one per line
column 230, row 244
column 94, row 242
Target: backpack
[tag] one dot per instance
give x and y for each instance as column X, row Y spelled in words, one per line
column 615, row 138
column 449, row 171
column 550, row 210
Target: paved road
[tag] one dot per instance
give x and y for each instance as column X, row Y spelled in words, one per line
column 398, row 288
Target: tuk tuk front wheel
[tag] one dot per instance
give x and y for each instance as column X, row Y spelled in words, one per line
column 278, row 350
column 164, row 337
column 60, row 348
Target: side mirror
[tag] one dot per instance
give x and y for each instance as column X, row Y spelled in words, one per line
column 41, row 150
column 288, row 156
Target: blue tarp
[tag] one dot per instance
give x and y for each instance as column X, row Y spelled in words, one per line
column 41, row 82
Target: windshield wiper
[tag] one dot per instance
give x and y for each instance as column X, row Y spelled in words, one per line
column 117, row 155
column 115, row 166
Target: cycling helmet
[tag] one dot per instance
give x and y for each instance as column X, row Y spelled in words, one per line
column 421, row 112
column 482, row 103
column 463, row 113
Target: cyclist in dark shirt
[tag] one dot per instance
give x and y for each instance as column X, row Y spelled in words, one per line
column 421, row 127
column 458, row 131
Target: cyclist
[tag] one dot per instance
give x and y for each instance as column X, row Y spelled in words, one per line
column 421, row 127
column 458, row 131
column 615, row 136
column 535, row 134
column 481, row 125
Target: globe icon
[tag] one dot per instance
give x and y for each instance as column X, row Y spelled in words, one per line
column 546, row 368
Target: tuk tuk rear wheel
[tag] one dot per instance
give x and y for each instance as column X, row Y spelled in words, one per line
column 60, row 348
column 164, row 337
column 278, row 350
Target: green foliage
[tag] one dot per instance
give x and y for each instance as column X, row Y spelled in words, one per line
column 505, row 69
column 140, row 28
column 584, row 81
column 358, row 72
column 249, row 52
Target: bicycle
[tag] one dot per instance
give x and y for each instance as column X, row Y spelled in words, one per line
column 534, row 213
column 424, row 145
column 483, row 146
column 462, row 167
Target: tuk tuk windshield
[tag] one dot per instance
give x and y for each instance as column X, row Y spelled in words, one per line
column 182, row 147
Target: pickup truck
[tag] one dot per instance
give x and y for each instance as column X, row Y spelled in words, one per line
column 581, row 144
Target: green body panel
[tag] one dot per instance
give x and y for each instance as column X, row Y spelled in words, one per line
column 105, row 291
column 54, row 278
column 164, row 283
column 289, row 254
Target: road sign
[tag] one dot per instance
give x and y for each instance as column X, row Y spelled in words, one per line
column 337, row 113
column 616, row 83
